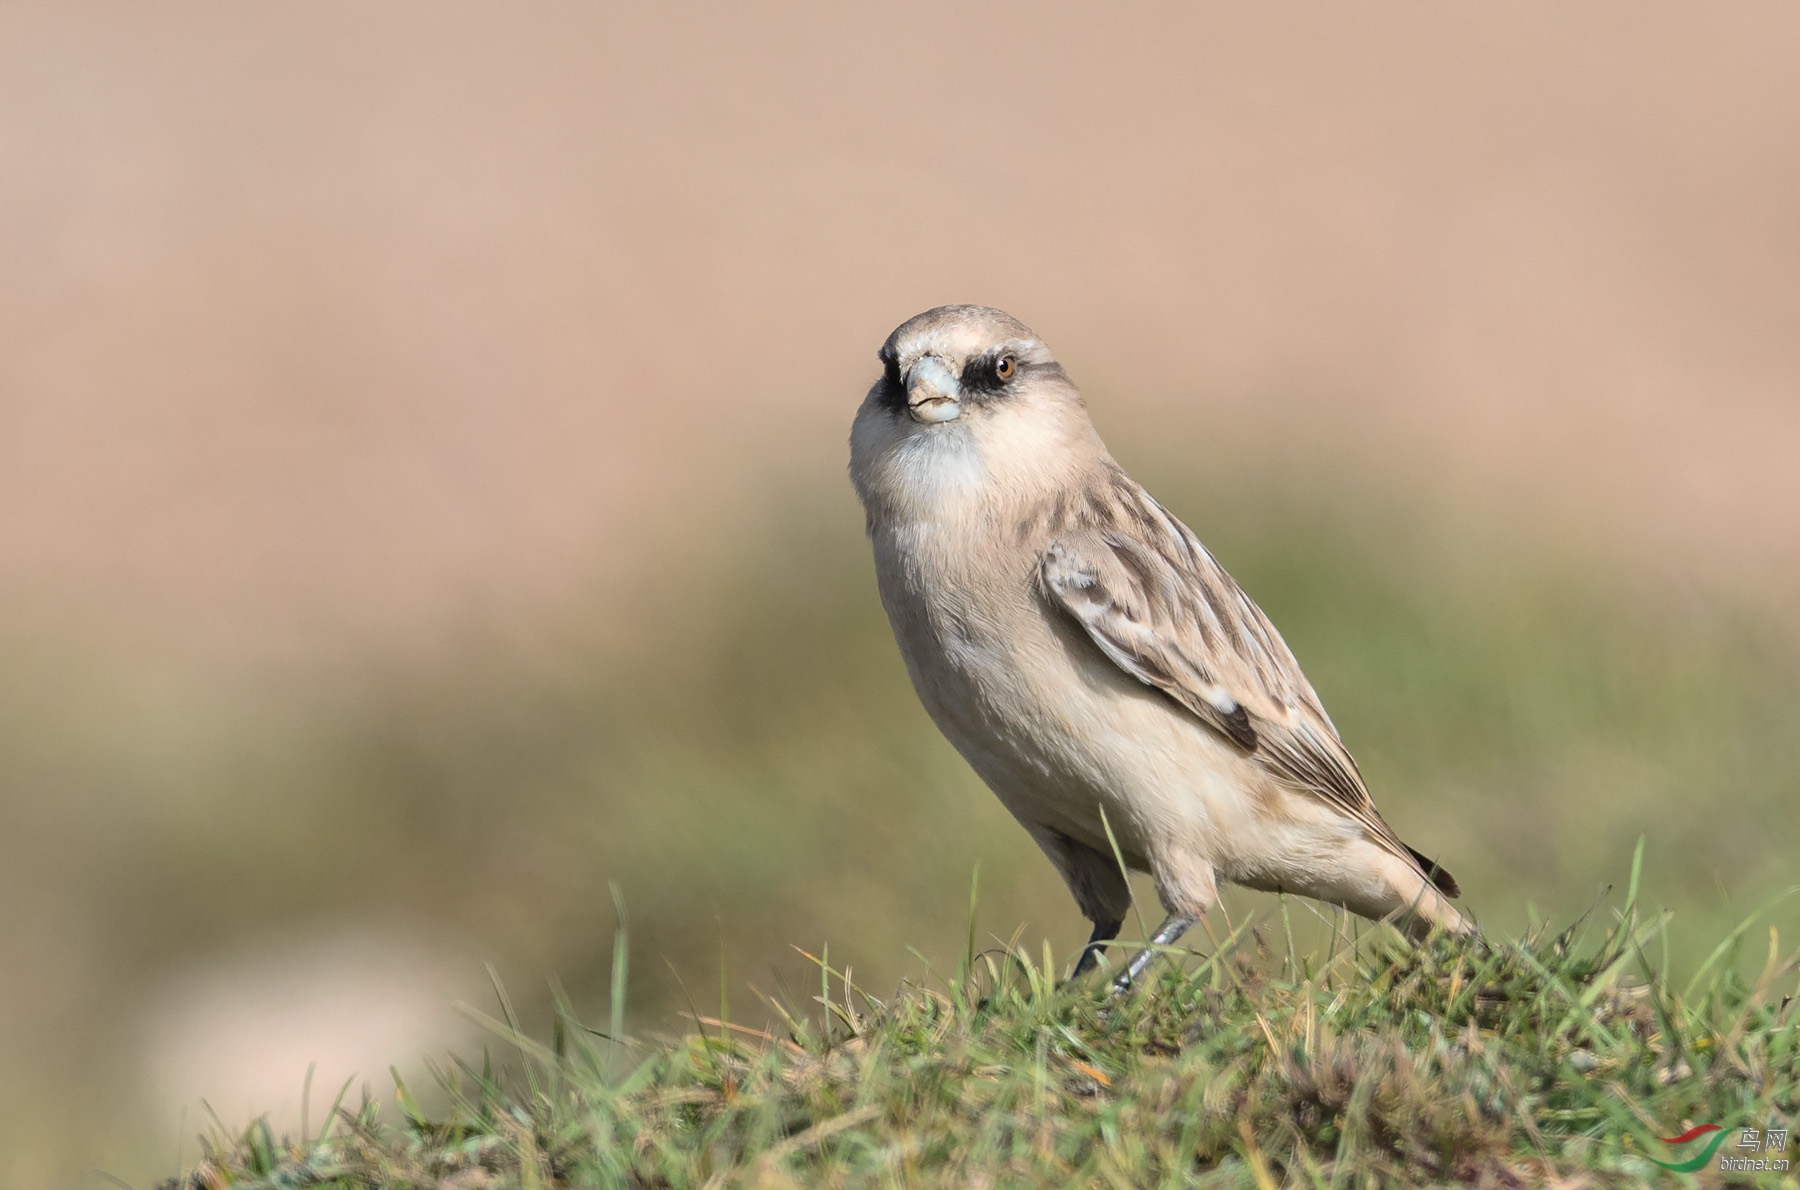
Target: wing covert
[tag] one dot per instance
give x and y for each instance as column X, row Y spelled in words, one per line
column 1174, row 620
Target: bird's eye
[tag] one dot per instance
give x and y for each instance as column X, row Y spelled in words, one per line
column 1005, row 367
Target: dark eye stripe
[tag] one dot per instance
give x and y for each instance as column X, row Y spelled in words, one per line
column 983, row 374
column 889, row 392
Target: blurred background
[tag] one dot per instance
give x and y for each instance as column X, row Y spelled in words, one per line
column 422, row 498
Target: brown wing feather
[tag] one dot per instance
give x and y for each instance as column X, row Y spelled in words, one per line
column 1163, row 610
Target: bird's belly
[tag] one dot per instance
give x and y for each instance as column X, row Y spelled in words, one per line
column 1068, row 741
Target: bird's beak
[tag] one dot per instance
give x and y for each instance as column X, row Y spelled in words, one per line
column 932, row 392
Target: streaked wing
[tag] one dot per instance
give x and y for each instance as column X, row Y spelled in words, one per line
column 1158, row 605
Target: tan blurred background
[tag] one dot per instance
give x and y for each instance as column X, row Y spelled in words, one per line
column 422, row 500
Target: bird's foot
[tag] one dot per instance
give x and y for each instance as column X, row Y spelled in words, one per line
column 1104, row 932
column 1167, row 934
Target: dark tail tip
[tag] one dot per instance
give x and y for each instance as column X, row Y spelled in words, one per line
column 1442, row 880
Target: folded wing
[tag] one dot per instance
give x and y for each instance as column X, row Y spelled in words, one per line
column 1159, row 607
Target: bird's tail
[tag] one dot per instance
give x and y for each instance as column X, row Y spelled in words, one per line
column 1440, row 879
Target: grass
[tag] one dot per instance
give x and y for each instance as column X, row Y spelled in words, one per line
column 753, row 763
column 1362, row 1061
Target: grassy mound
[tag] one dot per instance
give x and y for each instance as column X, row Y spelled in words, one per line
column 1366, row 1061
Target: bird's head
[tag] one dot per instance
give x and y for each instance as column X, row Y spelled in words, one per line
column 958, row 362
column 970, row 403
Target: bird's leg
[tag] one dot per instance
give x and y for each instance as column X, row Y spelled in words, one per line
column 1167, row 934
column 1104, row 931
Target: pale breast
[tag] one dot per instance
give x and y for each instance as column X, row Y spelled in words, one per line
column 1056, row 730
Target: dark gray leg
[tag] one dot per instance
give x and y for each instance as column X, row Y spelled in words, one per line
column 1167, row 934
column 1104, row 931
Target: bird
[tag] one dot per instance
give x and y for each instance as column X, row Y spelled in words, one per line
column 1091, row 660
